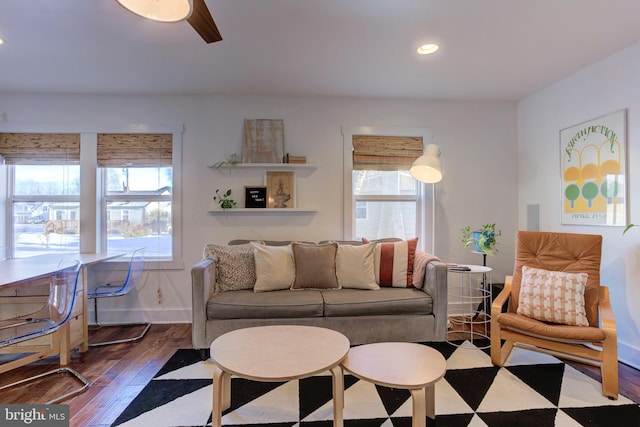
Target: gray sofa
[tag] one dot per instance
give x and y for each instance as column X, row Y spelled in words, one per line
column 409, row 314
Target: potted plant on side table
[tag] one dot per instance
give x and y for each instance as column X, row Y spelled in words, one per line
column 483, row 239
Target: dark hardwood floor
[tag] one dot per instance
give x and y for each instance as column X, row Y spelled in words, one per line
column 118, row 372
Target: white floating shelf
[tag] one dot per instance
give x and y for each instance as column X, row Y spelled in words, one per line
column 260, row 211
column 269, row 166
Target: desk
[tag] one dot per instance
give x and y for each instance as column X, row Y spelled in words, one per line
column 24, row 278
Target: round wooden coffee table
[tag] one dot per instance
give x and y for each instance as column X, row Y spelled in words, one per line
column 411, row 366
column 277, row 353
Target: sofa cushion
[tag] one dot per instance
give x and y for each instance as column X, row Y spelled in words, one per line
column 386, row 301
column 235, row 266
column 274, row 267
column 355, row 266
column 246, row 304
column 394, row 262
column 265, row 242
column 315, row 266
column 535, row 327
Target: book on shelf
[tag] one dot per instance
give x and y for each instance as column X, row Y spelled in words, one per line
column 295, row 159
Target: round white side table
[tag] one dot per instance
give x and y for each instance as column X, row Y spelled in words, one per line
column 470, row 293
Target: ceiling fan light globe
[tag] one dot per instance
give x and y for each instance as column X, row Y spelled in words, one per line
column 160, row 10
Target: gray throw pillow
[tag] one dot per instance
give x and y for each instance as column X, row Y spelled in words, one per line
column 315, row 266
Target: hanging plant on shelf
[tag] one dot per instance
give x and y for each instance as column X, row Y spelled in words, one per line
column 484, row 239
column 224, row 200
column 230, row 161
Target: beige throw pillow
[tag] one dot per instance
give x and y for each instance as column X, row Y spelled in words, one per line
column 274, row 267
column 553, row 296
column 355, row 266
column 315, row 266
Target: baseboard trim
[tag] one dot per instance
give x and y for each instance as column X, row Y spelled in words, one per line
column 628, row 354
column 169, row 315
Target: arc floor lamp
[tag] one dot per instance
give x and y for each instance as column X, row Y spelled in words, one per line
column 428, row 169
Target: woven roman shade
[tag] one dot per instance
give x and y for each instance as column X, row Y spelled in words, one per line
column 385, row 153
column 40, row 148
column 134, row 150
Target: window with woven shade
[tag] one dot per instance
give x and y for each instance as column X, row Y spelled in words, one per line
column 385, row 153
column 137, row 177
column 44, row 191
column 134, row 150
column 40, row 148
column 385, row 196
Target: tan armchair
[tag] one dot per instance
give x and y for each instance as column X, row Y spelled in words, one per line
column 596, row 343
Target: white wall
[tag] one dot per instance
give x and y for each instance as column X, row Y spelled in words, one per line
column 477, row 140
column 607, row 86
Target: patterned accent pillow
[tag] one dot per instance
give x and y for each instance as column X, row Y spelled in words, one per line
column 553, row 296
column 235, row 266
column 393, row 263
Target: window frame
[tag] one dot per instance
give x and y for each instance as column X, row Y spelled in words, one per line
column 349, row 199
column 92, row 216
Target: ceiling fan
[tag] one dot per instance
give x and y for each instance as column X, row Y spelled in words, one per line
column 195, row 12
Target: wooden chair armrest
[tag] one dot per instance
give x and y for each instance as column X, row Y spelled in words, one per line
column 606, row 312
column 501, row 299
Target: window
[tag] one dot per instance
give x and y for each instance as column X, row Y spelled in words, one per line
column 44, row 192
column 135, row 185
column 390, row 200
column 138, row 205
column 137, row 176
column 385, row 201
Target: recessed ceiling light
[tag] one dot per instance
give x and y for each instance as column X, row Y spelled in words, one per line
column 428, row 49
column 1, row 40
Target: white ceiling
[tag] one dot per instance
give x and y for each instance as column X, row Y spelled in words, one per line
column 490, row 49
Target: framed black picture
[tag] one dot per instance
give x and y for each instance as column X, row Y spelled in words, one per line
column 255, row 197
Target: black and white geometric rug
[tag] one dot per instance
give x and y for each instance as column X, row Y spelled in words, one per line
column 533, row 389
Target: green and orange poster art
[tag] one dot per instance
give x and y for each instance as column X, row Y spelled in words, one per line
column 594, row 183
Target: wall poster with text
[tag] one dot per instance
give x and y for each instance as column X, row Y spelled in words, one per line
column 594, row 171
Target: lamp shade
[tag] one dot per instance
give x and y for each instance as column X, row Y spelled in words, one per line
column 427, row 168
column 160, row 10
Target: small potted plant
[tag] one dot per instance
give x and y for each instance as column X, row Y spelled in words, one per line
column 224, row 199
column 484, row 239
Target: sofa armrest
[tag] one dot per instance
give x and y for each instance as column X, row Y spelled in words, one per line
column 435, row 284
column 203, row 278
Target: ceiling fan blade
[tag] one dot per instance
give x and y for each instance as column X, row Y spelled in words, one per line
column 202, row 21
